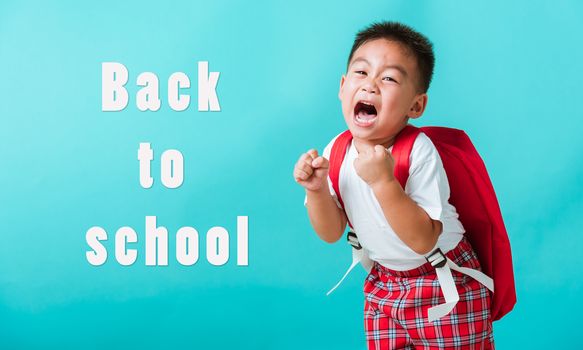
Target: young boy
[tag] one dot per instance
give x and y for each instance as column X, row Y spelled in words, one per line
column 389, row 71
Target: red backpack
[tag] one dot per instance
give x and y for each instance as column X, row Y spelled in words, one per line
column 471, row 193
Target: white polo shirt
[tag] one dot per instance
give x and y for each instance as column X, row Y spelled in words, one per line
column 427, row 186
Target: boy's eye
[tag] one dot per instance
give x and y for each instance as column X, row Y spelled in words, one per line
column 360, row 72
column 389, row 79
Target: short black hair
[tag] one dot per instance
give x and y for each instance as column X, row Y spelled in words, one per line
column 415, row 42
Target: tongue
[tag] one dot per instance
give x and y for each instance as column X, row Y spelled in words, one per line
column 363, row 114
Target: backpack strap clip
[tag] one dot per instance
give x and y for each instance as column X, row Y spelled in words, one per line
column 353, row 240
column 443, row 267
column 437, row 259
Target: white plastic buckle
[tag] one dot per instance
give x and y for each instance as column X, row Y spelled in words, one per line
column 437, row 259
column 353, row 240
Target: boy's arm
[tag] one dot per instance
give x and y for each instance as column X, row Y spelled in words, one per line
column 326, row 218
column 329, row 221
column 409, row 221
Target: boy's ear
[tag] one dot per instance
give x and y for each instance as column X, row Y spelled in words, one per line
column 418, row 106
column 341, row 85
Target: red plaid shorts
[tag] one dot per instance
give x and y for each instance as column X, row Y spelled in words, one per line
column 396, row 303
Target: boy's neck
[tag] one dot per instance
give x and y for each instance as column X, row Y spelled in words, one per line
column 385, row 142
column 359, row 143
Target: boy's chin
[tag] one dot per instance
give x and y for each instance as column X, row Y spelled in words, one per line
column 374, row 135
column 362, row 133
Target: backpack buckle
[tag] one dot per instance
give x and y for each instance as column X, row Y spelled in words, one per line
column 437, row 259
column 353, row 240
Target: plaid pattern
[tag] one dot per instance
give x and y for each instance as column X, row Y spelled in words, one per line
column 396, row 303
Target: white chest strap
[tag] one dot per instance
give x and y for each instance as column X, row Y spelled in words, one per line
column 443, row 266
column 359, row 255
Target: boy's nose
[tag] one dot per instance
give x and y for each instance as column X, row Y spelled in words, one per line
column 369, row 87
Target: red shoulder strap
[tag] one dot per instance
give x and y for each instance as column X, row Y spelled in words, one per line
column 337, row 154
column 402, row 151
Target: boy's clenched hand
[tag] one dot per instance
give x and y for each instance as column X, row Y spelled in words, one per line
column 311, row 171
column 374, row 164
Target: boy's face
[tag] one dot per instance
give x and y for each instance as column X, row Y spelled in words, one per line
column 379, row 92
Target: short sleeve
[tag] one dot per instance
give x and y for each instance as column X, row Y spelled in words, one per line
column 326, row 154
column 427, row 184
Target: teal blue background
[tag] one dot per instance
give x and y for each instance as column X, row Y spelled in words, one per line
column 509, row 73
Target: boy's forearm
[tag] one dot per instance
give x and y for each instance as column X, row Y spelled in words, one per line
column 326, row 218
column 409, row 221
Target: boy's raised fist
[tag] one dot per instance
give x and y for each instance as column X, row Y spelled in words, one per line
column 374, row 163
column 311, row 171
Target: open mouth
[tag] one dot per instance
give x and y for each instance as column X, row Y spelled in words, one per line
column 365, row 113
